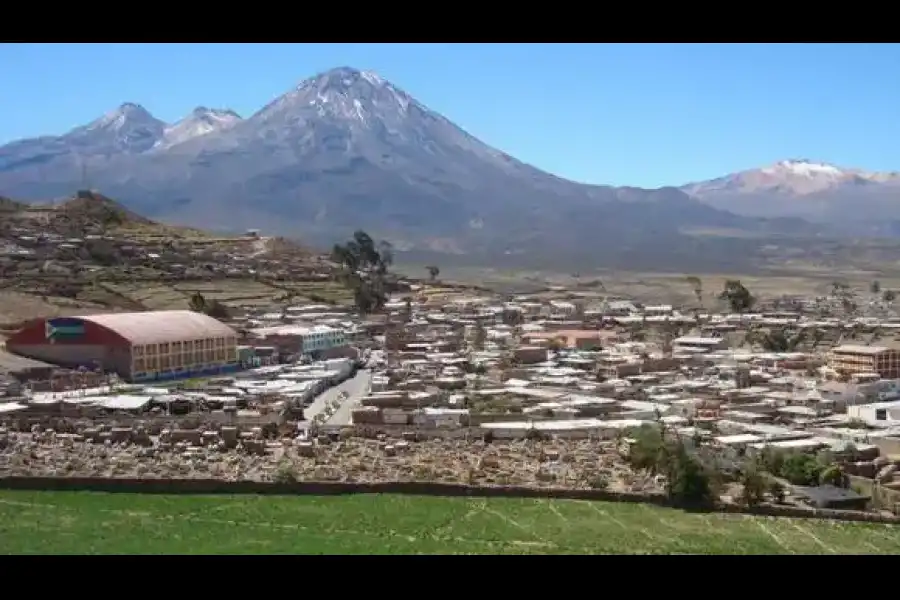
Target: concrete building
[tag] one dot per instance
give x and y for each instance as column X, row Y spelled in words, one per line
column 297, row 339
column 853, row 360
column 143, row 346
column 322, row 337
column 699, row 344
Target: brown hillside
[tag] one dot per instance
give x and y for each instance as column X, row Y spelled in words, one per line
column 95, row 208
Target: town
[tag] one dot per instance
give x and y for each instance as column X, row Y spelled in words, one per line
column 788, row 400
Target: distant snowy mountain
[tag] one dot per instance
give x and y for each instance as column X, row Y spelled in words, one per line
column 129, row 129
column 347, row 149
column 797, row 177
column 201, row 121
column 848, row 199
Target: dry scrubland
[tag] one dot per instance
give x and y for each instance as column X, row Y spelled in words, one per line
column 666, row 287
column 95, row 523
column 16, row 307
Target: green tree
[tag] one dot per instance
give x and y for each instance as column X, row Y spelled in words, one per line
column 407, row 310
column 801, row 469
column 753, row 485
column 737, row 296
column 479, row 336
column 433, row 272
column 889, row 296
column 834, row 475
column 776, row 489
column 697, row 287
column 364, row 270
column 197, row 303
column 779, row 340
column 213, row 308
column 688, row 482
column 875, row 287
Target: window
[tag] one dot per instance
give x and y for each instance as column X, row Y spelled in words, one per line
column 881, row 414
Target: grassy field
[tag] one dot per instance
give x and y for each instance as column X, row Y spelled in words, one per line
column 94, row 523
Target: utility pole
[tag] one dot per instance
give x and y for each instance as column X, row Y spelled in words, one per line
column 84, row 175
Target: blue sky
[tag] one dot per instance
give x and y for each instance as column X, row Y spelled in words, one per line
column 631, row 114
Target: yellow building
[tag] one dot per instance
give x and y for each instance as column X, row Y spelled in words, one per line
column 854, row 360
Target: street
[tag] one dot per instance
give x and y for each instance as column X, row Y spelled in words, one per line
column 356, row 387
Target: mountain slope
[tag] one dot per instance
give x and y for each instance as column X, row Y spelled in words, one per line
column 201, row 121
column 347, row 149
column 848, row 200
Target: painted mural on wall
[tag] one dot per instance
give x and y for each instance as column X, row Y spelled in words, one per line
column 63, row 329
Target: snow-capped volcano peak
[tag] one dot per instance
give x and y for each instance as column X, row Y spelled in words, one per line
column 344, row 93
column 130, row 128
column 792, row 177
column 201, row 121
column 801, row 167
column 123, row 116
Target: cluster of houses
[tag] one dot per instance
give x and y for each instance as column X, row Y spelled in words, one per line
column 523, row 365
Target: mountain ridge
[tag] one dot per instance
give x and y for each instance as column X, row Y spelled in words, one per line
column 347, row 148
column 847, row 200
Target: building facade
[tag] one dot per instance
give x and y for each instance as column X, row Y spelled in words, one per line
column 853, row 360
column 144, row 346
column 321, row 337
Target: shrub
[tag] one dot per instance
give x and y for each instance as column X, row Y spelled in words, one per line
column 834, row 475
column 285, row 473
column 753, row 486
column 599, row 482
column 777, row 490
column 801, row 469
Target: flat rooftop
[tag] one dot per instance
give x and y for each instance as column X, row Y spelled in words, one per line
column 857, row 349
column 11, row 363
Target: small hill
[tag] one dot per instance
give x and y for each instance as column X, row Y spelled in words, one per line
column 96, row 209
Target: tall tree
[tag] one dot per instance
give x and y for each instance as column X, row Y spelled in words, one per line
column 364, row 269
column 433, row 271
column 479, row 336
column 697, row 287
column 737, row 296
column 213, row 308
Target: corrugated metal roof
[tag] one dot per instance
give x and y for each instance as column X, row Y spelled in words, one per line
column 162, row 326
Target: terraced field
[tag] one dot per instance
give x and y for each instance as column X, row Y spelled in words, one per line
column 83, row 522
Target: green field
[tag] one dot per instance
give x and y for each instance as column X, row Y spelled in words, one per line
column 86, row 523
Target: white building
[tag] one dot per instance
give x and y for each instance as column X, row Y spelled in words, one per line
column 322, row 337
column 879, row 412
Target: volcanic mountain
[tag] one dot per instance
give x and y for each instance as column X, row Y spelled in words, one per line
column 845, row 199
column 347, row 149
